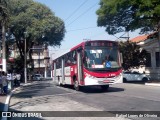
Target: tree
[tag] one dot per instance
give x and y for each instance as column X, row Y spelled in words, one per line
column 40, row 23
column 129, row 15
column 133, row 55
column 4, row 14
column 126, row 15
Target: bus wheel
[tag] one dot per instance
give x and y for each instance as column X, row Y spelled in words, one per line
column 76, row 85
column 104, row 87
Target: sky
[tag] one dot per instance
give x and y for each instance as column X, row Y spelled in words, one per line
column 80, row 21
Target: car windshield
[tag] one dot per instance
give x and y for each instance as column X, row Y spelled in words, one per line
column 101, row 58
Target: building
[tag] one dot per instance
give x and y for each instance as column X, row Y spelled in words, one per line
column 40, row 58
column 151, row 44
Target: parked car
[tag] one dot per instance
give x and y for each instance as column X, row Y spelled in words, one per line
column 134, row 76
column 37, row 77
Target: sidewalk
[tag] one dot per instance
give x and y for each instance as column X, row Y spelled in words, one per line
column 2, row 101
column 5, row 99
column 153, row 83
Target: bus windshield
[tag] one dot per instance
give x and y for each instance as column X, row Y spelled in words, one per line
column 101, row 58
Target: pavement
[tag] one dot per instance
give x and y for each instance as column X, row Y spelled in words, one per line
column 5, row 99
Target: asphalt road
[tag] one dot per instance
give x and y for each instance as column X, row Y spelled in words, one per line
column 45, row 96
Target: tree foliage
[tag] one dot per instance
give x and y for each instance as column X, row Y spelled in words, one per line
column 4, row 13
column 38, row 22
column 133, row 55
column 126, row 15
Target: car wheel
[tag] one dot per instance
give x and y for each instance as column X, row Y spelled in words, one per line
column 124, row 80
column 145, row 79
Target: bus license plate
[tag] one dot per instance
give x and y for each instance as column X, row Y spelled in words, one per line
column 106, row 81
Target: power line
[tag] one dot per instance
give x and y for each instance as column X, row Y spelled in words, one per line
column 81, row 29
column 101, row 33
column 75, row 10
column 118, row 38
column 82, row 13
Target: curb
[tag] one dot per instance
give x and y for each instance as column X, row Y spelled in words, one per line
column 6, row 106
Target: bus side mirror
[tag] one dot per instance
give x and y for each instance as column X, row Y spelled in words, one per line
column 121, row 58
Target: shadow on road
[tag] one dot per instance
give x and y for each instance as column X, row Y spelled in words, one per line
column 30, row 90
column 136, row 82
column 95, row 89
column 37, row 89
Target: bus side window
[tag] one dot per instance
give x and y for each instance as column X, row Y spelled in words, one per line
column 58, row 62
column 65, row 60
column 74, row 57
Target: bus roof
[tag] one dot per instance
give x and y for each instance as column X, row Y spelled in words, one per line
column 77, row 46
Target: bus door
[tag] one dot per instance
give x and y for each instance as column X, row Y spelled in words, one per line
column 79, row 66
column 62, row 71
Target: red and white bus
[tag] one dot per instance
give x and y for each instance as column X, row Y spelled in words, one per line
column 89, row 63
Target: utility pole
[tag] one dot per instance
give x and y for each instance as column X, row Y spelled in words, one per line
column 46, row 59
column 39, row 62
column 127, row 38
column 25, row 57
column 4, row 47
column 159, row 45
column 51, row 64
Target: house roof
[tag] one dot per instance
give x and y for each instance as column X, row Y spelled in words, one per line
column 144, row 37
column 139, row 38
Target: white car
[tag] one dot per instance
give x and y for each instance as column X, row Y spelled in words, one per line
column 37, row 77
column 134, row 76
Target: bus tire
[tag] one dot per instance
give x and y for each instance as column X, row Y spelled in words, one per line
column 76, row 85
column 104, row 87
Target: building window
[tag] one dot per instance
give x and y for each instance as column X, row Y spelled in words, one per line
column 148, row 60
column 157, row 59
